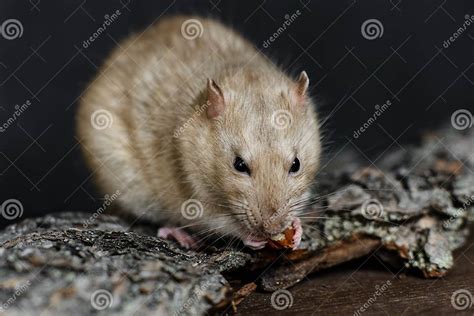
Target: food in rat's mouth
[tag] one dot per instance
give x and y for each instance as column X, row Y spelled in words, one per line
column 283, row 240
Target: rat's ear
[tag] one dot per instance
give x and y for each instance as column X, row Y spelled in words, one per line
column 215, row 99
column 301, row 86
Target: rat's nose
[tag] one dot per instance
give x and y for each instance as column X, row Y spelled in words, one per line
column 274, row 225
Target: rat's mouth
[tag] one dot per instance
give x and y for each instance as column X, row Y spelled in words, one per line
column 254, row 243
column 283, row 239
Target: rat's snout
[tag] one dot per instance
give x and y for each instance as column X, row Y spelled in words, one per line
column 275, row 223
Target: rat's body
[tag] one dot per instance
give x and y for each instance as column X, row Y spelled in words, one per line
column 175, row 135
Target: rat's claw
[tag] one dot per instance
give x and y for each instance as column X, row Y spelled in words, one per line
column 298, row 232
column 254, row 244
column 183, row 238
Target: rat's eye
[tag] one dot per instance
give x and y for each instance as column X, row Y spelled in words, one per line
column 295, row 166
column 240, row 165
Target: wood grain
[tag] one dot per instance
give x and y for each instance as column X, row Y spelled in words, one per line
column 344, row 289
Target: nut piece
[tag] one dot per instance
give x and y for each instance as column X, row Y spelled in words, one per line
column 283, row 240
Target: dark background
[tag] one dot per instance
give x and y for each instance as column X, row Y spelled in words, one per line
column 40, row 161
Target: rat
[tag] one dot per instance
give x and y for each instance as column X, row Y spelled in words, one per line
column 201, row 133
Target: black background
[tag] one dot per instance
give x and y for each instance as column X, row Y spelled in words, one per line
column 40, row 162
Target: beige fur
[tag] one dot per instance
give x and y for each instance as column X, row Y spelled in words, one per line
column 160, row 152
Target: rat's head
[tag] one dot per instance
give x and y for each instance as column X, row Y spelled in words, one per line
column 255, row 155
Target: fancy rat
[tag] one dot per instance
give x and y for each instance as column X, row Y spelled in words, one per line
column 201, row 132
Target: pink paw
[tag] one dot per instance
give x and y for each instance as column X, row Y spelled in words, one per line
column 183, row 238
column 298, row 232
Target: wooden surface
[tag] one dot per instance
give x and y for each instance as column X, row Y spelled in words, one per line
column 344, row 289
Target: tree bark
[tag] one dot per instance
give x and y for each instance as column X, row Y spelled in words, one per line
column 413, row 211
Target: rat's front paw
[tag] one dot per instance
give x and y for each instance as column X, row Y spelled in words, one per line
column 174, row 233
column 296, row 224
